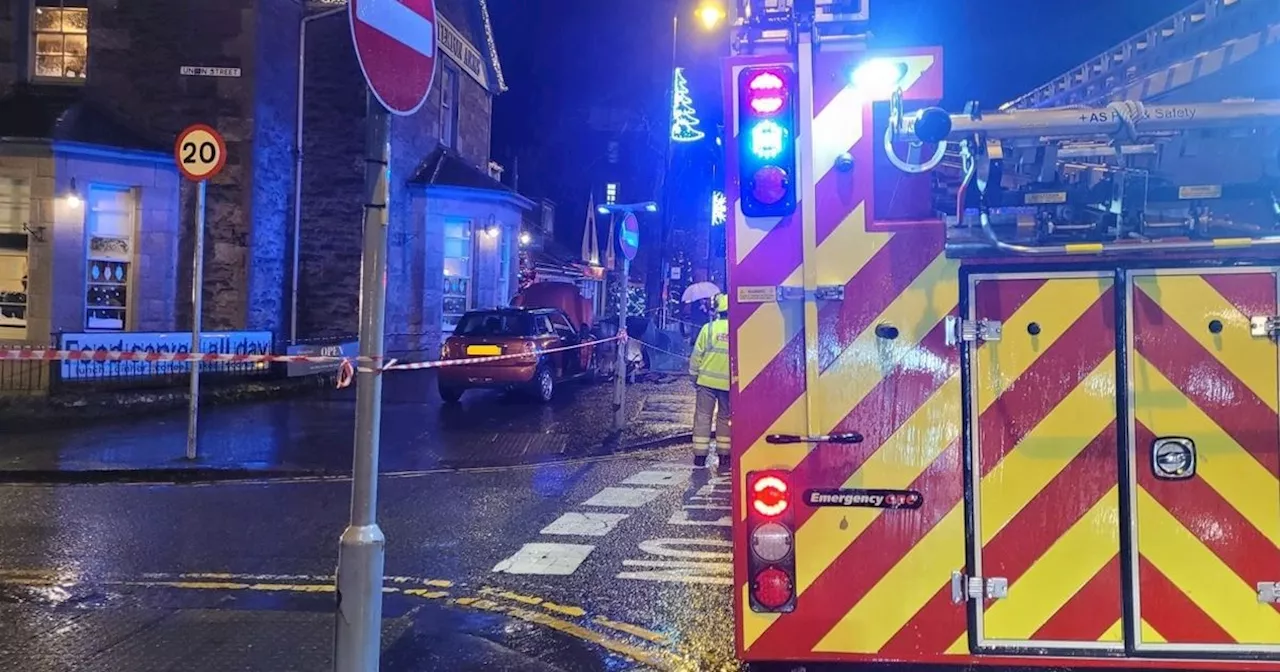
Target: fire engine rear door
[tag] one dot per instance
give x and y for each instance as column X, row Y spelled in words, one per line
column 1044, row 470
column 1203, row 437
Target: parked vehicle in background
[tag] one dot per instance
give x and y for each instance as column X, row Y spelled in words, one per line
column 573, row 304
column 513, row 331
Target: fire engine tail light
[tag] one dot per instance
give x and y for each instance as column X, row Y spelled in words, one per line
column 771, row 559
column 766, row 140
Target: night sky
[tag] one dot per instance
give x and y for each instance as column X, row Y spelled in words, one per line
column 563, row 54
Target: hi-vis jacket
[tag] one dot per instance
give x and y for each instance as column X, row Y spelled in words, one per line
column 710, row 359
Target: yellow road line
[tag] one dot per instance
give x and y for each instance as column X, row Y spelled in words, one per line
column 633, row 630
column 1220, row 462
column 1064, row 569
column 535, row 601
column 1202, row 576
column 1192, row 302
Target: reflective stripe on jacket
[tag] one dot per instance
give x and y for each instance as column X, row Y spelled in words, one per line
column 710, row 359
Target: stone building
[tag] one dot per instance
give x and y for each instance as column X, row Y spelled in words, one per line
column 95, row 224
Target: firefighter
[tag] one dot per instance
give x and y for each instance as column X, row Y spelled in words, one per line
column 709, row 366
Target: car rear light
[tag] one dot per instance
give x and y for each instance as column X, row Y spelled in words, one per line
column 772, row 588
column 769, row 496
column 771, row 542
column 771, row 560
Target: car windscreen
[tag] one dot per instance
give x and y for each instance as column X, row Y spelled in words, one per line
column 495, row 324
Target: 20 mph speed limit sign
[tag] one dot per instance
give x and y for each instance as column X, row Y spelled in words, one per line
column 201, row 152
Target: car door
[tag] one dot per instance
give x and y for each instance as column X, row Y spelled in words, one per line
column 569, row 360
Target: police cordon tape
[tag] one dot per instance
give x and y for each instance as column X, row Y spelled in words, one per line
column 347, row 366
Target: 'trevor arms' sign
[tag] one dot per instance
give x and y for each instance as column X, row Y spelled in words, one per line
column 873, row 499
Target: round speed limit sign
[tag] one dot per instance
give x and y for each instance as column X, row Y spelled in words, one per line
column 200, row 151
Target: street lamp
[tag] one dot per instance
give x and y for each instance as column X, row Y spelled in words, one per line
column 710, row 14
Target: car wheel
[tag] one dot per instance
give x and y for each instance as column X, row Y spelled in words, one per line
column 451, row 395
column 544, row 385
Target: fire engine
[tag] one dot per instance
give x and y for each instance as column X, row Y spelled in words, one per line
column 1004, row 382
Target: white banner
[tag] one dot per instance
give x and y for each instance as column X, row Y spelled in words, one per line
column 222, row 342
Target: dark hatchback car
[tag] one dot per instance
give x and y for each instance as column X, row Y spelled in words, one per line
column 514, row 331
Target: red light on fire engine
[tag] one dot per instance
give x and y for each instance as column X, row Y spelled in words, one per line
column 772, row 588
column 770, row 185
column 769, row 496
column 766, row 93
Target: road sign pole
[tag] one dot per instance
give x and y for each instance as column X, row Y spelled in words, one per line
column 620, row 382
column 197, row 310
column 362, row 548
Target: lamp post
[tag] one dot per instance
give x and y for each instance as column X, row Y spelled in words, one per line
column 628, row 251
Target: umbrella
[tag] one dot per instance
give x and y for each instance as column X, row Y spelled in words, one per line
column 699, row 291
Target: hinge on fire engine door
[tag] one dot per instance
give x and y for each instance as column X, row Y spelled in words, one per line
column 1264, row 325
column 960, row 330
column 964, row 588
column 1269, row 592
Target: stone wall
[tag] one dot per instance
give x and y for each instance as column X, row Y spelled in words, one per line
column 135, row 50
column 10, row 45
column 333, row 192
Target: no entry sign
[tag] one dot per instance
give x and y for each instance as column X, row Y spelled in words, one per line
column 395, row 43
column 629, row 236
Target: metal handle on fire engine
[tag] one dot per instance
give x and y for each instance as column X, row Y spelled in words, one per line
column 892, row 131
column 846, row 437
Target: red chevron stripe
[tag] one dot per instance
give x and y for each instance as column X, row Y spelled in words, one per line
column 1213, row 520
column 1000, row 299
column 1212, row 387
column 1172, row 614
column 1048, row 381
column 1250, row 293
column 1014, row 549
column 925, row 633
column 770, row 393
column 872, row 289
column 889, row 404
column 1090, row 612
column 862, row 565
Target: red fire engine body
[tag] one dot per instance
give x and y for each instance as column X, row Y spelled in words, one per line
column 1005, row 384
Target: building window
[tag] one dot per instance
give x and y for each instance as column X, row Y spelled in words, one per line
column 458, row 244
column 109, row 232
column 15, row 209
column 449, row 107
column 504, row 267
column 60, row 40
column 611, row 193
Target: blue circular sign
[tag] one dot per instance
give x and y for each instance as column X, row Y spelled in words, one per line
column 629, row 236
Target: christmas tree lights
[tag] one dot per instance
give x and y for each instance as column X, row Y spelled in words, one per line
column 684, row 125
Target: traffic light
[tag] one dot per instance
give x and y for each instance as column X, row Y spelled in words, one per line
column 766, row 139
column 771, row 561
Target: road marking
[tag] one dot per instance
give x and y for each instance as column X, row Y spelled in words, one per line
column 555, row 559
column 584, row 524
column 674, row 465
column 681, row 517
column 679, row 571
column 629, row 498
column 658, row 478
column 565, row 609
column 633, row 630
column 670, row 548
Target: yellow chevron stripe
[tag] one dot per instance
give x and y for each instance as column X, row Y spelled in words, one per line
column 1047, row 449
column 763, row 335
column 1192, row 302
column 753, row 624
column 896, row 464
column 1221, row 462
column 959, row 647
column 1075, row 558
column 879, row 615
column 1150, row 636
column 1115, row 633
column 868, row 359
column 1056, row 306
column 1202, row 576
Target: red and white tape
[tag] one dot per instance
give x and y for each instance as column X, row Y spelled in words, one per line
column 347, row 367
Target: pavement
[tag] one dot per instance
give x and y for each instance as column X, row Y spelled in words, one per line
column 618, row 562
column 314, row 435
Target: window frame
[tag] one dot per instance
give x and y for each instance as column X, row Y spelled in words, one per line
column 470, row 246
column 449, row 91
column 130, row 259
column 32, row 34
column 20, row 185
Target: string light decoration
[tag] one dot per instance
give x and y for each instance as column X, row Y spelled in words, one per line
column 493, row 46
column 684, row 125
column 719, row 208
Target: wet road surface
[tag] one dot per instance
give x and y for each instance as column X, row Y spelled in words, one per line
column 315, row 433
column 600, row 564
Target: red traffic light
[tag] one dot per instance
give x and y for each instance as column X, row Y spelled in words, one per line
column 772, row 588
column 766, row 92
column 770, row 185
column 769, row 496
